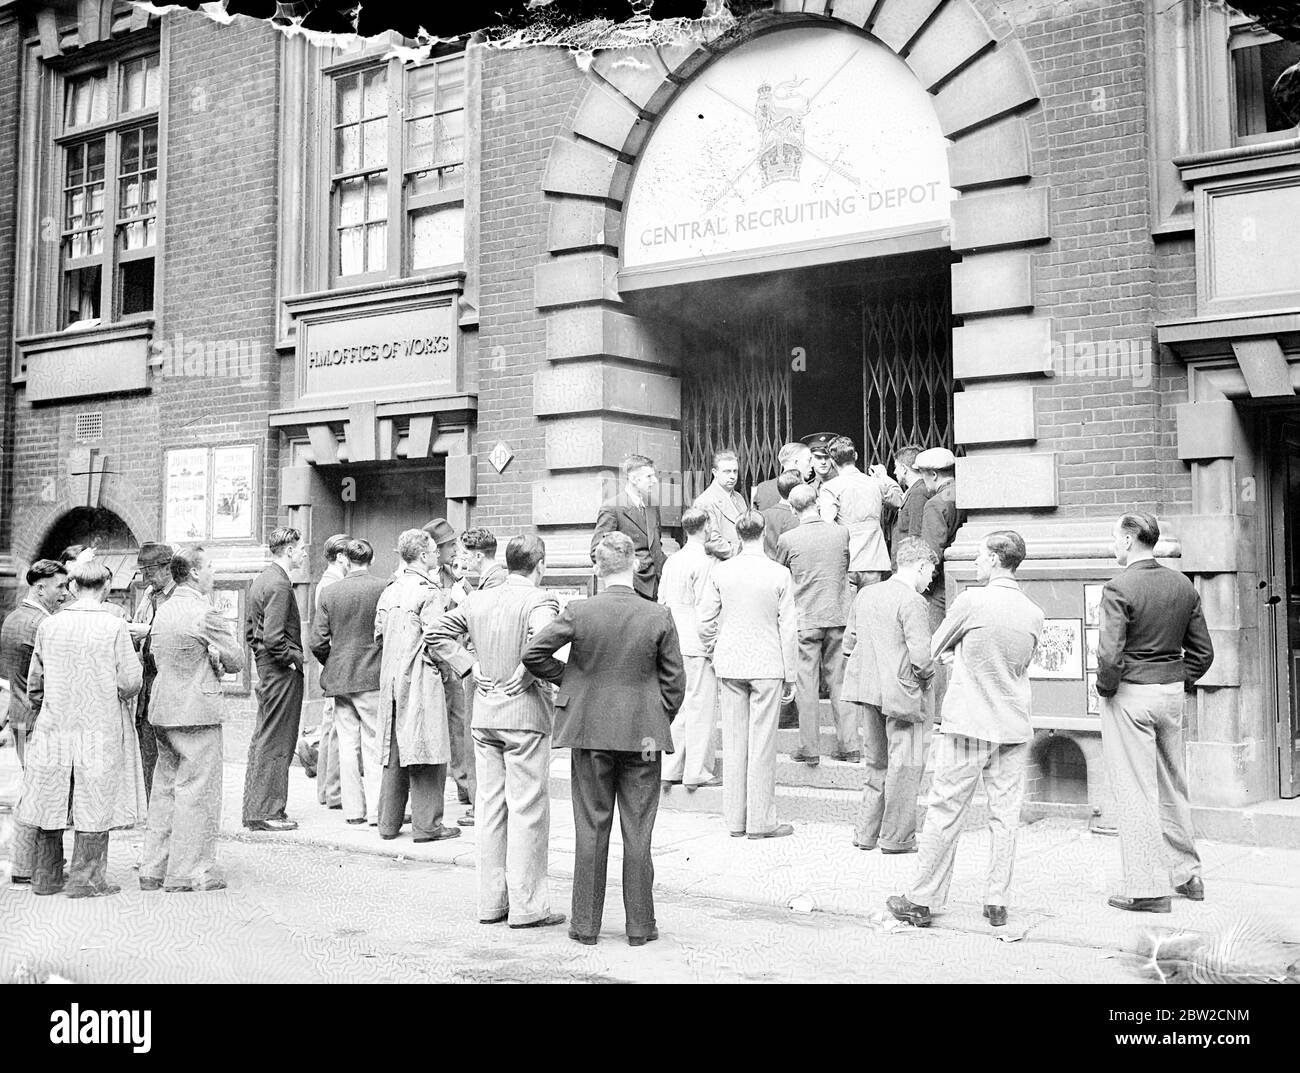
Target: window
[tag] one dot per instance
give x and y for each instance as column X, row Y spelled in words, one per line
column 397, row 169
column 109, row 146
column 1258, row 58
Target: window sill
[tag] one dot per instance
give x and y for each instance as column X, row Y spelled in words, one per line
column 450, row 279
column 1239, row 160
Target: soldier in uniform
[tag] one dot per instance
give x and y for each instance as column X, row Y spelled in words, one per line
column 823, row 469
column 154, row 561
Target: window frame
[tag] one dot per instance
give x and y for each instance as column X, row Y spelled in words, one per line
column 401, row 203
column 112, row 129
column 1243, row 33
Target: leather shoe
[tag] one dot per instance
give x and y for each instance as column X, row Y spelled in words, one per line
column 439, row 835
column 357, row 822
column 548, row 921
column 909, row 912
column 149, row 883
column 715, row 781
column 863, row 846
column 1193, row 889
column 641, row 940
column 996, row 914
column 467, row 820
column 1140, row 905
column 271, row 825
column 780, row 831
column 737, row 834
column 854, row 757
column 494, row 920
column 19, row 881
column 910, row 849
column 187, row 888
column 667, row 784
column 99, row 891
column 801, row 757
column 462, row 795
column 586, row 940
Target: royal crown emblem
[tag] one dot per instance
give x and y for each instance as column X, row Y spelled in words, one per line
column 779, row 113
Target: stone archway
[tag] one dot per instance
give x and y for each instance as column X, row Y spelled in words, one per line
column 37, row 528
column 610, row 387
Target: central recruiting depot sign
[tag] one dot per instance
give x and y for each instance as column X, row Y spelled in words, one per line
column 807, row 138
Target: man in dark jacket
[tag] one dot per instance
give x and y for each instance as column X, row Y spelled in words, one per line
column 1153, row 647
column 154, row 561
column 632, row 514
column 907, row 519
column 622, row 685
column 273, row 630
column 343, row 640
column 47, row 591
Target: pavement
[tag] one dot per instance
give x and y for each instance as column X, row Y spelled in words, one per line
column 1063, row 872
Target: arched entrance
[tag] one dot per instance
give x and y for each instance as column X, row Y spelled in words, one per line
column 628, row 372
column 114, row 543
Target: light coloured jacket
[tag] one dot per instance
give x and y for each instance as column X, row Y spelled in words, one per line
column 187, row 691
column 500, row 621
column 993, row 630
column 887, row 646
column 749, row 623
column 681, row 589
column 410, row 683
column 83, row 675
column 854, row 499
column 724, row 510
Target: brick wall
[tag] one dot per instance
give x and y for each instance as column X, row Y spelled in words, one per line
column 527, row 94
column 1113, row 427
column 10, row 47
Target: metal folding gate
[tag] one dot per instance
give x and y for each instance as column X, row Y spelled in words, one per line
column 739, row 391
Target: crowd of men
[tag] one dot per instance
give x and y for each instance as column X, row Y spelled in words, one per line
column 828, row 577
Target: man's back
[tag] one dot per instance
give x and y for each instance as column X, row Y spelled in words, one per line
column 940, row 519
column 624, row 679
column 888, row 648
column 343, row 637
column 749, row 620
column 777, row 520
column 682, row 587
column 995, row 629
column 187, row 691
column 817, row 556
column 17, row 636
column 1153, row 629
column 854, row 500
column 273, row 625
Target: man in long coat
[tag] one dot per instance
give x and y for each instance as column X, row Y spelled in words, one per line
column 83, row 676
column 414, row 742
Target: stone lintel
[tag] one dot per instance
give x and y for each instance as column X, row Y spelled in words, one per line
column 995, row 413
column 1002, row 481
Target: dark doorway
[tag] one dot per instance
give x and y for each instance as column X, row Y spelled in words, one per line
column 1282, row 446
column 92, row 527
column 861, row 349
column 380, row 502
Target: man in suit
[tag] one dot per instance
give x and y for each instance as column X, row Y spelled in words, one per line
column 619, row 691
column 632, row 515
column 513, row 715
column 888, row 671
column 907, row 519
column 329, row 788
column 462, row 743
column 477, row 560
column 47, row 591
column 854, row 500
column 817, row 555
column 723, row 504
column 781, row 517
column 414, row 739
column 192, row 646
column 1153, row 648
column 749, row 625
column 993, row 631
column 793, row 458
column 273, row 630
column 154, row 562
column 686, row 577
column 343, row 640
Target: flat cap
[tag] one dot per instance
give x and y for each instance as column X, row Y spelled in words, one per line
column 441, row 531
column 935, row 458
column 152, row 554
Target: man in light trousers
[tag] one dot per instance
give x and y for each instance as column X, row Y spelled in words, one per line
column 681, row 589
column 750, row 628
column 993, row 631
column 513, row 716
column 1153, row 647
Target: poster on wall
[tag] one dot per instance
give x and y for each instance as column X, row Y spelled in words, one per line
column 230, row 603
column 1092, row 605
column 233, row 469
column 186, row 511
column 1060, row 650
column 1091, row 638
column 1094, row 698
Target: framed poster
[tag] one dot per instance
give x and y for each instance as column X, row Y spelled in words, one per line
column 1060, row 650
column 185, row 509
column 230, row 600
column 1091, row 638
column 233, row 471
column 1092, row 605
column 1094, row 698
